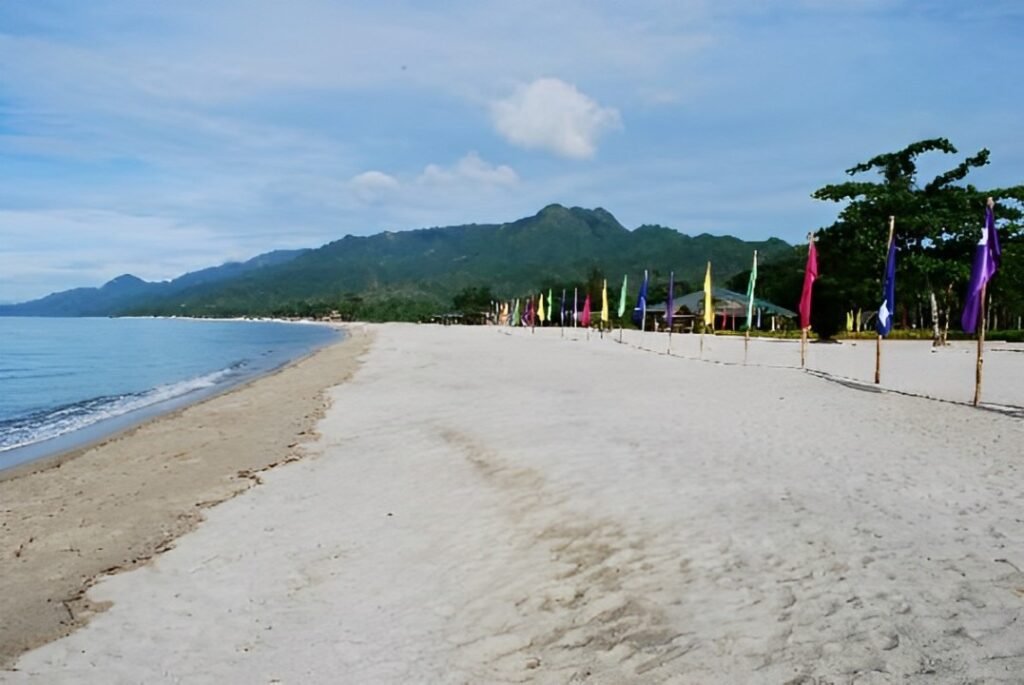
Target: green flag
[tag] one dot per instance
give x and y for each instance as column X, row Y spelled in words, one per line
column 622, row 297
column 750, row 292
column 551, row 304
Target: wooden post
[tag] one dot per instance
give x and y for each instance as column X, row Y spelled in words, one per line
column 643, row 325
column 804, row 329
column 878, row 359
column 981, row 332
column 981, row 349
column 575, row 308
column 878, row 340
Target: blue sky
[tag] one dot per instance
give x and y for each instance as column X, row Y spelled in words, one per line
column 157, row 137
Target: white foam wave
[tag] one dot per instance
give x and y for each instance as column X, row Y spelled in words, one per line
column 41, row 426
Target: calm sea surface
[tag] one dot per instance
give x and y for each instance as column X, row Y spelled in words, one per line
column 64, row 382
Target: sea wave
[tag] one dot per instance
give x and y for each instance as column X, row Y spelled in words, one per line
column 51, row 423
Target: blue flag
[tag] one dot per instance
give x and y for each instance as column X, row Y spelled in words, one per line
column 561, row 308
column 986, row 261
column 640, row 311
column 888, row 307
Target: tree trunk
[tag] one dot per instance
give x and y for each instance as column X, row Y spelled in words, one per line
column 945, row 316
column 936, row 333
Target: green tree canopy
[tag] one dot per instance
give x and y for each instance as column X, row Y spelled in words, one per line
column 937, row 224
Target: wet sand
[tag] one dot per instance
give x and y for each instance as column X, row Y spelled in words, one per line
column 74, row 518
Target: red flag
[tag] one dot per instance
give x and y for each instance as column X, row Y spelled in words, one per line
column 585, row 317
column 809, row 276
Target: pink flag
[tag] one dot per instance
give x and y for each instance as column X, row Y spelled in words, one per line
column 585, row 317
column 809, row 276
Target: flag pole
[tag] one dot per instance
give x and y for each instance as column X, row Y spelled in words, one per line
column 981, row 331
column 575, row 309
column 670, row 308
column 804, row 329
column 981, row 347
column 561, row 313
column 878, row 340
column 750, row 312
column 643, row 315
column 878, row 359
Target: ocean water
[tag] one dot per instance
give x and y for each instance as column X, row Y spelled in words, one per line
column 64, row 382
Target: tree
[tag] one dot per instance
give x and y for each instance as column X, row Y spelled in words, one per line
column 937, row 225
column 473, row 300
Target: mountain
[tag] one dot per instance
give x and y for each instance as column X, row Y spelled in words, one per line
column 127, row 291
column 557, row 246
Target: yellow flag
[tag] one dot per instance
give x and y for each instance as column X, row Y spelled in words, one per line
column 604, row 303
column 540, row 308
column 709, row 312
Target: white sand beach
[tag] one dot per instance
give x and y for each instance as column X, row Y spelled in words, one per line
column 488, row 505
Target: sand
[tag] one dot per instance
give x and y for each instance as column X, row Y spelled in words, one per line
column 486, row 506
column 68, row 520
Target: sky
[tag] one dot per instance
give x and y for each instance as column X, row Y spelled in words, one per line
column 154, row 138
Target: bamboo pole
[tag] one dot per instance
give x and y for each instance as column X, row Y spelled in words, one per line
column 878, row 340
column 643, row 324
column 878, row 359
column 575, row 307
column 981, row 349
column 804, row 329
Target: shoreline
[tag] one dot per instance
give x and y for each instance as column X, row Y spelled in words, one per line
column 74, row 517
column 40, row 455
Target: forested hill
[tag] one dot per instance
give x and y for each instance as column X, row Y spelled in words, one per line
column 127, row 291
column 557, row 246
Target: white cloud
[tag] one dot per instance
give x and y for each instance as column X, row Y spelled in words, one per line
column 372, row 186
column 52, row 250
column 470, row 168
column 553, row 115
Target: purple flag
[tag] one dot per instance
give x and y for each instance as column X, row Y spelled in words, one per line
column 986, row 261
column 669, row 309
